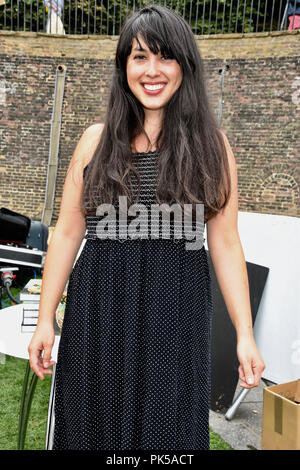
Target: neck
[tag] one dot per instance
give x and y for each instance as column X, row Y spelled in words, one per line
column 153, row 121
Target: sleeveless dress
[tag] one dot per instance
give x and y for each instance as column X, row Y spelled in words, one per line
column 133, row 366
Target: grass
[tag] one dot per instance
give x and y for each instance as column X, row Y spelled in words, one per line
column 11, row 378
column 217, row 443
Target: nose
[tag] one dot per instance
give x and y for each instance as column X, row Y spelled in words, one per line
column 153, row 66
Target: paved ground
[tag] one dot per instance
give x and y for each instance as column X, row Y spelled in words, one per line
column 244, row 430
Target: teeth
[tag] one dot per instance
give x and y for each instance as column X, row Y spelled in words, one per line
column 153, row 87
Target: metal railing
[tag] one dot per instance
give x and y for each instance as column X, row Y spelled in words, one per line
column 106, row 17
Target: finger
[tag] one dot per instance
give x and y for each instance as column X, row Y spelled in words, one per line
column 47, row 356
column 47, row 370
column 242, row 377
column 241, row 371
column 249, row 377
column 244, row 385
column 257, row 376
column 35, row 364
column 51, row 363
column 257, row 372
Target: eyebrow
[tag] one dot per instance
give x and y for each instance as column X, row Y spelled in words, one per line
column 139, row 49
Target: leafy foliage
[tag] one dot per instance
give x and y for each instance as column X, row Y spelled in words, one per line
column 106, row 17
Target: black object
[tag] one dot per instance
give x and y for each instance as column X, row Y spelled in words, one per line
column 224, row 360
column 38, row 235
column 14, row 227
column 21, row 230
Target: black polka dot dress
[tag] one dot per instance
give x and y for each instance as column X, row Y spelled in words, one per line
column 133, row 366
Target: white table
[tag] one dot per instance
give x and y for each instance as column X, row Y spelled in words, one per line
column 14, row 342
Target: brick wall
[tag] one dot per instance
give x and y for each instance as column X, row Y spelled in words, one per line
column 260, row 111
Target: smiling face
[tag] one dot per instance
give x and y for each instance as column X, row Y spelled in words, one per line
column 152, row 78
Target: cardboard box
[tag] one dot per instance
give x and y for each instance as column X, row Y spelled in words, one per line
column 281, row 417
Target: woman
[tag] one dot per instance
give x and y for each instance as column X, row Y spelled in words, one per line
column 133, row 368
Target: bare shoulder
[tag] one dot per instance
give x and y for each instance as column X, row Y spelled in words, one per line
column 85, row 149
column 224, row 137
column 227, row 144
column 95, row 129
column 91, row 138
column 222, row 229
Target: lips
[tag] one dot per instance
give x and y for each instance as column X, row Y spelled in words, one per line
column 153, row 83
column 153, row 92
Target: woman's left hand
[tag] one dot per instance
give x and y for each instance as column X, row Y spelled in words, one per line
column 251, row 362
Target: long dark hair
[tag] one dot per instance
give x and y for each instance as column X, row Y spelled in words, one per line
column 193, row 163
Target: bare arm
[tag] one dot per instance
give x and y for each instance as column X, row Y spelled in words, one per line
column 68, row 232
column 228, row 258
column 230, row 267
column 63, row 248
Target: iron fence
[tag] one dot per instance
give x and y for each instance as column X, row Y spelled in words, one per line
column 106, row 17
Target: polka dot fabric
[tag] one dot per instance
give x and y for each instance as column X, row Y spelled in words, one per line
column 133, row 367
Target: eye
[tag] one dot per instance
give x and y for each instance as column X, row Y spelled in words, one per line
column 166, row 56
column 139, row 56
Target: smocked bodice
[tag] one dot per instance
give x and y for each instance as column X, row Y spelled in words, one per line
column 143, row 220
